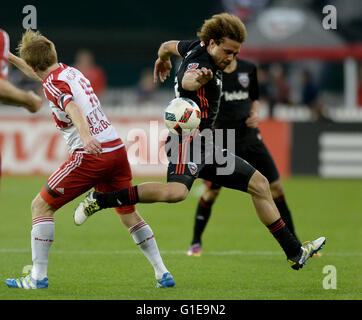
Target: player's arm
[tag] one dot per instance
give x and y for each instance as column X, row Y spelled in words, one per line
column 253, row 120
column 90, row 144
column 23, row 66
column 163, row 64
column 9, row 94
column 195, row 79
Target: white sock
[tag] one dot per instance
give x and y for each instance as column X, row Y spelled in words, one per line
column 143, row 236
column 42, row 237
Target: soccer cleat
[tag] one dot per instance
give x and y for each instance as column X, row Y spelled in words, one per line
column 167, row 281
column 85, row 209
column 194, row 250
column 27, row 283
column 308, row 249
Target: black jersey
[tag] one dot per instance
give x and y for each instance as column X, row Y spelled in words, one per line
column 239, row 90
column 195, row 56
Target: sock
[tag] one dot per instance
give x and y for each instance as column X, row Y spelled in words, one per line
column 286, row 239
column 42, row 237
column 143, row 236
column 285, row 214
column 201, row 218
column 125, row 197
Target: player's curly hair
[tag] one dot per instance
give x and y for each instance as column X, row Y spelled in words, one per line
column 220, row 26
column 37, row 51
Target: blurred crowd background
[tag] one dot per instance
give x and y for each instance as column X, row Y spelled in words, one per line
column 305, row 72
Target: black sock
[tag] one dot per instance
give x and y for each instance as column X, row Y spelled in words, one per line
column 124, row 197
column 286, row 239
column 201, row 218
column 285, row 214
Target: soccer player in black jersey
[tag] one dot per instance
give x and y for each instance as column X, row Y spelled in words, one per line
column 199, row 78
column 239, row 109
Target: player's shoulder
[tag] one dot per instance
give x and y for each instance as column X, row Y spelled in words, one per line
column 194, row 49
column 245, row 65
column 67, row 74
column 59, row 81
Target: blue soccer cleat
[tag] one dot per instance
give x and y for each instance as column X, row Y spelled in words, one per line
column 27, row 283
column 166, row 281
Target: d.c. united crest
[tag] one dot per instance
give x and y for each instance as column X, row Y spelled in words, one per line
column 243, row 79
column 192, row 167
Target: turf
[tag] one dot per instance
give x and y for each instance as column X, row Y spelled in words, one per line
column 240, row 258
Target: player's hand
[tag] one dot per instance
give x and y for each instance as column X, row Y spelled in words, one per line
column 34, row 101
column 253, row 120
column 92, row 145
column 203, row 75
column 161, row 70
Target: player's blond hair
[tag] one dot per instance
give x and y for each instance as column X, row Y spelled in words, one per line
column 37, row 51
column 221, row 26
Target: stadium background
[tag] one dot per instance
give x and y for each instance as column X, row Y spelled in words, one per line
column 310, row 149
column 284, row 40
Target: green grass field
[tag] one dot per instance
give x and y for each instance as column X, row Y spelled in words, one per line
column 240, row 259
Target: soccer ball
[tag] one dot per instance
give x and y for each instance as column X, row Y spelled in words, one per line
column 182, row 116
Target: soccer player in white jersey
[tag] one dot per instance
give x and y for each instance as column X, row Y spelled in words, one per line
column 98, row 159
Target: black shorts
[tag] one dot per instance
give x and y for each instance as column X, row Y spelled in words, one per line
column 195, row 157
column 258, row 155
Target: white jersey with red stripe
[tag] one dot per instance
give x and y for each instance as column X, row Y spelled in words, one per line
column 4, row 54
column 66, row 84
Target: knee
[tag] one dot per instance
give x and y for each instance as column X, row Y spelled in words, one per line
column 259, row 185
column 130, row 219
column 35, row 204
column 40, row 208
column 276, row 189
column 176, row 193
column 209, row 195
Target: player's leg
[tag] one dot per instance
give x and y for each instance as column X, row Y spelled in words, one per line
column 246, row 178
column 141, row 232
column 144, row 238
column 42, row 237
column 176, row 189
column 203, row 212
column 278, row 195
column 63, row 185
column 260, row 158
column 147, row 192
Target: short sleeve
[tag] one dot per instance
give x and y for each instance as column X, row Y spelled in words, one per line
column 59, row 92
column 185, row 46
